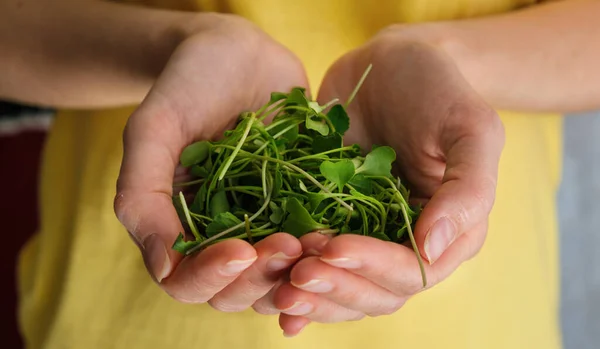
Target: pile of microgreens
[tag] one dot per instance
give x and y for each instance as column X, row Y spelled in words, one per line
column 294, row 175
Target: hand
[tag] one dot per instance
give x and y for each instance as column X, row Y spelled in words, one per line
column 448, row 143
column 227, row 67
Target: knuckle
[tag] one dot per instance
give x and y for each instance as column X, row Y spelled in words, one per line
column 346, row 243
column 484, row 193
column 409, row 285
column 124, row 210
column 119, row 205
column 391, row 307
column 474, row 242
column 392, row 29
column 471, row 116
column 225, row 306
column 490, row 119
column 257, row 284
column 460, row 216
column 264, row 309
column 202, row 289
column 352, row 296
column 357, row 317
column 414, row 287
column 179, row 298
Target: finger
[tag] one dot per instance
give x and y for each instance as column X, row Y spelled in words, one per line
column 293, row 301
column 344, row 288
column 143, row 202
column 371, row 258
column 199, row 277
column 292, row 325
column 265, row 304
column 468, row 188
column 313, row 243
column 276, row 254
column 171, row 118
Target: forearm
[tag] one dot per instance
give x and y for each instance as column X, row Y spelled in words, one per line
column 544, row 58
column 84, row 54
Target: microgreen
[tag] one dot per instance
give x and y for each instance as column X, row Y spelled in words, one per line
column 293, row 175
column 338, row 172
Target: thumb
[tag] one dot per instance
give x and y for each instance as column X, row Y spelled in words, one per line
column 467, row 193
column 143, row 203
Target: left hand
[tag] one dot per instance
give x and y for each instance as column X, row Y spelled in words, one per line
column 448, row 143
column 217, row 72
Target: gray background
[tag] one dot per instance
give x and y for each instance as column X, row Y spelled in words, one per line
column 579, row 217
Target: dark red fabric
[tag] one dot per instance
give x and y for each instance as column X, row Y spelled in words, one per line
column 19, row 164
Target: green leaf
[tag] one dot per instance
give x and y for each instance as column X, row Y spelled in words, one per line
column 281, row 144
column 276, row 213
column 325, row 143
column 297, row 97
column 198, row 171
column 219, row 203
column 222, row 222
column 299, row 221
column 290, row 135
column 378, row 162
column 380, row 235
column 277, row 96
column 182, row 246
column 208, row 164
column 362, row 184
column 317, row 124
column 338, row 172
column 315, row 107
column 302, row 186
column 339, row 119
column 198, row 205
column 194, row 153
column 178, row 206
column 315, row 199
column 278, row 183
column 202, row 170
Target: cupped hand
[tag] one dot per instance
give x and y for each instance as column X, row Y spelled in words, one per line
column 448, row 143
column 226, row 67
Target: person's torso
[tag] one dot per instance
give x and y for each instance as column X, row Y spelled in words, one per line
column 83, row 283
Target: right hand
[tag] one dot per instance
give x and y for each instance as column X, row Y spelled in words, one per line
column 448, row 142
column 226, row 67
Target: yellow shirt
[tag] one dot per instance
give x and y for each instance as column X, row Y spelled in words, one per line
column 83, row 284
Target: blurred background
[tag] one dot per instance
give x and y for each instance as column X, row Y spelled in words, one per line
column 22, row 134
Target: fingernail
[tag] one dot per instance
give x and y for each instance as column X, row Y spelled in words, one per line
column 440, row 236
column 346, row 263
column 156, row 257
column 316, row 286
column 279, row 261
column 299, row 308
column 236, row 266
